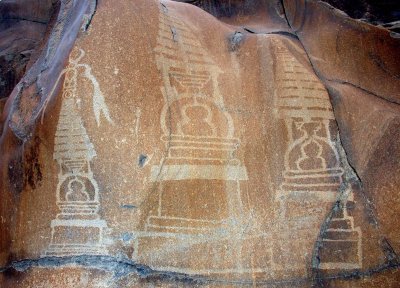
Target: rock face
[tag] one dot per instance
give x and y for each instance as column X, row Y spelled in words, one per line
column 164, row 146
column 22, row 27
column 374, row 11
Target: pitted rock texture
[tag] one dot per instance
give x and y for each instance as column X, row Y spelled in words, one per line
column 164, row 146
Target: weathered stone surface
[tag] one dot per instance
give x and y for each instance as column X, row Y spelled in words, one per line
column 373, row 11
column 254, row 16
column 348, row 51
column 164, row 146
column 370, row 136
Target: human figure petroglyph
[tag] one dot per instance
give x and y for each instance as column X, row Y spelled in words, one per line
column 311, row 147
column 76, row 192
column 196, row 117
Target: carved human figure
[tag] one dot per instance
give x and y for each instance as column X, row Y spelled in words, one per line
column 76, row 192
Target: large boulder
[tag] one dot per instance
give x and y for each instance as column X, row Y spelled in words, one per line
column 162, row 145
